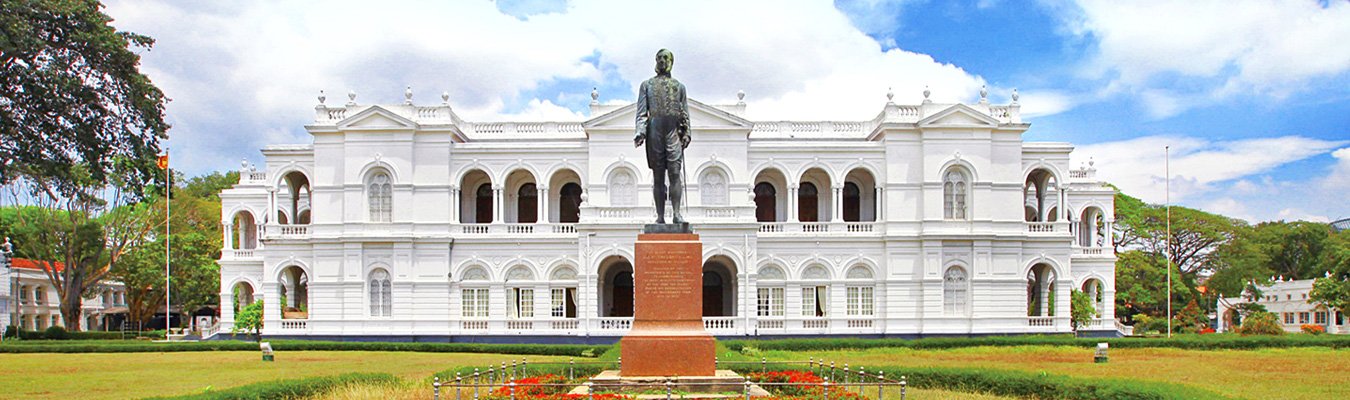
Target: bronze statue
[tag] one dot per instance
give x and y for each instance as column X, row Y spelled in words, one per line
column 663, row 124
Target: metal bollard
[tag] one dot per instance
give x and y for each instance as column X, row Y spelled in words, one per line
column 458, row 382
column 511, row 388
column 881, row 383
column 436, row 388
column 476, row 378
column 668, row 389
column 571, row 366
column 903, row 386
column 590, row 390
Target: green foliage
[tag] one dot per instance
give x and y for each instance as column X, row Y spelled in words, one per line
column 1023, row 384
column 1190, row 319
column 1261, row 323
column 56, row 333
column 250, row 320
column 1334, row 290
column 1081, row 310
column 71, row 94
column 64, row 335
column 1141, row 285
column 291, row 388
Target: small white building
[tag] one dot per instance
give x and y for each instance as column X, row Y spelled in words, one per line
column 406, row 222
column 38, row 305
column 1288, row 300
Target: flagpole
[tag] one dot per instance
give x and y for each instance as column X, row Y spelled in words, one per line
column 168, row 189
column 1167, row 155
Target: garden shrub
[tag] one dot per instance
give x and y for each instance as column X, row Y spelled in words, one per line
column 1191, row 342
column 1312, row 329
column 1261, row 323
column 290, row 388
column 128, row 346
column 56, row 333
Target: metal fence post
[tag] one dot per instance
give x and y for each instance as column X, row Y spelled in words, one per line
column 476, row 378
column 831, row 370
column 511, row 388
column 492, row 378
column 717, row 363
column 825, row 394
column 571, row 366
column 436, row 388
column 747, row 389
column 845, row 374
column 621, row 362
column 524, row 366
column 763, row 364
column 514, row 370
column 862, row 378
column 590, row 390
column 881, row 383
column 903, row 387
column 668, row 388
column 458, row 382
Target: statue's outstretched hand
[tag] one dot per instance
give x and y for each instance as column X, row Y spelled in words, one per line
column 638, row 140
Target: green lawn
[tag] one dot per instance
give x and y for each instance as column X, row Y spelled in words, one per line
column 1299, row 373
column 1269, row 373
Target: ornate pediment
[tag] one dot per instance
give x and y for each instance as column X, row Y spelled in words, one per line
column 958, row 116
column 701, row 116
column 376, row 118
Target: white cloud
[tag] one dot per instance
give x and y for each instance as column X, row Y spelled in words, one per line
column 1339, row 178
column 1046, row 102
column 1137, row 166
column 245, row 74
column 1207, row 49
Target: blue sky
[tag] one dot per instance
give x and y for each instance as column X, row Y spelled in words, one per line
column 1252, row 95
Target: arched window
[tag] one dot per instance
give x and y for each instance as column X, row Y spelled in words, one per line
column 713, row 188
column 483, row 204
column 955, row 291
column 381, row 195
column 766, row 202
column 527, row 204
column 808, row 203
column 569, row 203
column 954, row 189
column 622, row 188
column 381, row 295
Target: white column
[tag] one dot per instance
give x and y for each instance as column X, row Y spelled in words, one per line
column 228, row 236
column 454, row 204
column 498, row 203
column 877, row 205
column 542, row 202
column 792, row 204
column 836, row 204
column 1063, row 215
column 1110, row 239
column 271, row 206
column 1044, row 307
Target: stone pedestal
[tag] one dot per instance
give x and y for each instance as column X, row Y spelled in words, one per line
column 668, row 336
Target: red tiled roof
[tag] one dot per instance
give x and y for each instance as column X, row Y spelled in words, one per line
column 35, row 265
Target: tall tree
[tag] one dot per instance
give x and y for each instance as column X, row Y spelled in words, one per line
column 88, row 232
column 1333, row 289
column 72, row 95
column 1195, row 236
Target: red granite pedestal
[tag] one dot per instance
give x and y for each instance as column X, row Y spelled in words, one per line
column 668, row 337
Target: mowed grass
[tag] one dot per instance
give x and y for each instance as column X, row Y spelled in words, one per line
column 417, row 390
column 136, row 375
column 1300, row 373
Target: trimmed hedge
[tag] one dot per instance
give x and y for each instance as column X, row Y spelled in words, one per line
column 1022, row 384
column 61, row 334
column 296, row 345
column 290, row 388
column 1191, row 342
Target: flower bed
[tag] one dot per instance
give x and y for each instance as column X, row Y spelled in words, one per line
column 797, row 384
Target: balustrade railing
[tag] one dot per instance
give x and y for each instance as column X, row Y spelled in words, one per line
column 564, row 325
column 767, row 324
column 1041, row 227
column 859, row 323
column 241, row 254
column 719, row 323
column 1041, row 321
column 294, row 324
column 473, row 325
column 614, row 323
column 286, row 231
column 819, row 227
column 1090, row 251
column 816, row 323
column 518, row 325
column 713, row 212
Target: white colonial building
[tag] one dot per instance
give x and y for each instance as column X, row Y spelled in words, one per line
column 1288, row 300
column 406, row 222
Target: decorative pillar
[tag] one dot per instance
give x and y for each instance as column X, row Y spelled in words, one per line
column 454, row 204
column 542, row 201
column 498, row 203
column 1063, row 215
column 792, row 204
column 228, row 236
column 1044, row 305
column 1110, row 237
column 836, row 204
column 877, row 194
column 271, row 206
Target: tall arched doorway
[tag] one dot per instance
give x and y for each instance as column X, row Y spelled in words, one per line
column 766, row 202
column 719, row 287
column 616, row 287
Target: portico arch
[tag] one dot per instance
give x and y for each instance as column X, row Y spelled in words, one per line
column 719, row 287
column 615, row 285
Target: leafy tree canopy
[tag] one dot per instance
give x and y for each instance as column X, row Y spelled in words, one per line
column 72, row 94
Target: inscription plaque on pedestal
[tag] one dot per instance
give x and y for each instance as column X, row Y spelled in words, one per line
column 668, row 336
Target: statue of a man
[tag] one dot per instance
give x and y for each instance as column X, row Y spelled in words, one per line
column 663, row 124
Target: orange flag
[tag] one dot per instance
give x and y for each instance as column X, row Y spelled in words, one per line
column 163, row 161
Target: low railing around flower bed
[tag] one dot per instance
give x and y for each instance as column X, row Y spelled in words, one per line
column 817, row 380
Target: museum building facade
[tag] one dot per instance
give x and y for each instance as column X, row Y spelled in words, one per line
column 406, row 222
